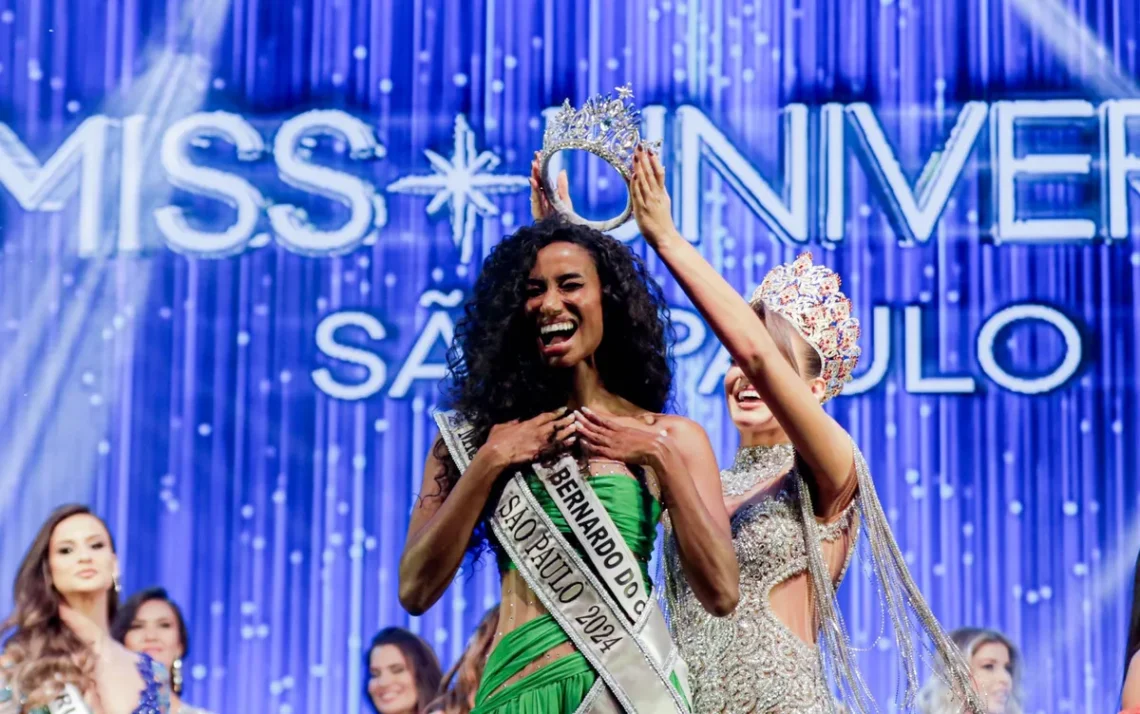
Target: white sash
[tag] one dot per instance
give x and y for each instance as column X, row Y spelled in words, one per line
column 621, row 631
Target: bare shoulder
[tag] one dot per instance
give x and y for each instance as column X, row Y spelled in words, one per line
column 683, row 429
column 123, row 660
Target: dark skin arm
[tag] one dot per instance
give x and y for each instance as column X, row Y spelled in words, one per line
column 820, row 441
column 441, row 524
column 679, row 452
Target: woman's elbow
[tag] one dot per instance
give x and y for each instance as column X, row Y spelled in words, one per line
column 412, row 593
column 723, row 602
column 756, row 361
column 725, row 594
column 411, row 601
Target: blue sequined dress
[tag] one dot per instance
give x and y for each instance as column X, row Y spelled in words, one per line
column 153, row 699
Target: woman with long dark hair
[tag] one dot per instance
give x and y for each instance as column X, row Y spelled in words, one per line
column 151, row 622
column 57, row 641
column 799, row 493
column 403, row 672
column 566, row 331
column 1130, row 698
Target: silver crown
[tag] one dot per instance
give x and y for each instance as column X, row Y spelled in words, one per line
column 608, row 127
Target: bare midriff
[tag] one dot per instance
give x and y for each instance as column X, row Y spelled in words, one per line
column 519, row 603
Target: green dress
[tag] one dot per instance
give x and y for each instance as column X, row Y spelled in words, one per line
column 561, row 686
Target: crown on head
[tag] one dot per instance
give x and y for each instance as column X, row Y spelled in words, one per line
column 608, row 127
column 808, row 296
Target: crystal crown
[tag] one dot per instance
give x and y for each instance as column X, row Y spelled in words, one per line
column 607, row 126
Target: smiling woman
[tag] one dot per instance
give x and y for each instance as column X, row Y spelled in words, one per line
column 151, row 623
column 556, row 453
column 799, row 492
column 995, row 665
column 403, row 672
column 58, row 640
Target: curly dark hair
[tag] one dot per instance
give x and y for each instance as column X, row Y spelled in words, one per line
column 496, row 374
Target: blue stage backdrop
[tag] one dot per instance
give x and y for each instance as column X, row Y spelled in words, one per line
column 236, row 234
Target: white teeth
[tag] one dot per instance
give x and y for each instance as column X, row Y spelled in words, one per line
column 556, row 327
column 748, row 394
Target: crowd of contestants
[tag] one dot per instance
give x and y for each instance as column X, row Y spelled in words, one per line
column 405, row 675
column 67, row 609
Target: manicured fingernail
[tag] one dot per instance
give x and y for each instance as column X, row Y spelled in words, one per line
column 561, row 410
column 587, row 410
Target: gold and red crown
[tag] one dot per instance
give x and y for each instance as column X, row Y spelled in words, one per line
column 808, row 296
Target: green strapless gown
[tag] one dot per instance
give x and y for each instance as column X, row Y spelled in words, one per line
column 560, row 687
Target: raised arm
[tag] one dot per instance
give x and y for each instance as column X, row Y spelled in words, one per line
column 690, row 482
column 818, row 438
column 679, row 452
column 442, row 523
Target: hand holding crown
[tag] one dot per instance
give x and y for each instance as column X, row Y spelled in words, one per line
column 651, row 204
column 608, row 127
column 540, row 206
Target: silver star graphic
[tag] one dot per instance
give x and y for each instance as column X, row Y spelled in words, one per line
column 462, row 184
column 625, row 92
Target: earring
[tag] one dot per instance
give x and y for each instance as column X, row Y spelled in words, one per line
column 176, row 676
column 115, row 580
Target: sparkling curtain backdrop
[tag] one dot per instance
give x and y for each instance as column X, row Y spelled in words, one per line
column 236, row 233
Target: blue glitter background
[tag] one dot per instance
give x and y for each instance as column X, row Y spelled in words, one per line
column 177, row 393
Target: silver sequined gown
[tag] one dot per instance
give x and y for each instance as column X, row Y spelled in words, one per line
column 750, row 662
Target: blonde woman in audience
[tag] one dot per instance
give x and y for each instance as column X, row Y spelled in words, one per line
column 995, row 665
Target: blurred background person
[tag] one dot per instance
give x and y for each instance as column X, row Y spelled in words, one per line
column 58, row 636
column 995, row 665
column 462, row 680
column 404, row 672
column 151, row 623
column 1130, row 697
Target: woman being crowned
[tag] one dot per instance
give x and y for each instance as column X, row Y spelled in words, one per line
column 798, row 494
column 556, row 452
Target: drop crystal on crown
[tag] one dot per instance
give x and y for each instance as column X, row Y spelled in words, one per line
column 606, row 126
